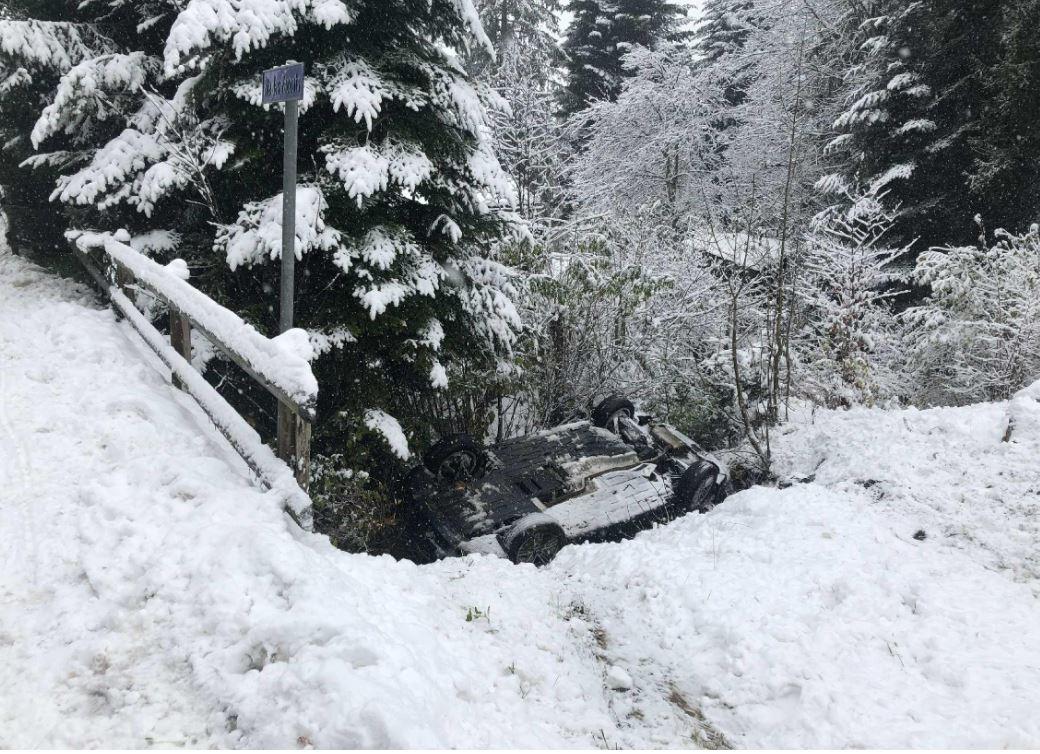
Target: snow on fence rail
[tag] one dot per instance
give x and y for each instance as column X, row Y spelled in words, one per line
column 287, row 376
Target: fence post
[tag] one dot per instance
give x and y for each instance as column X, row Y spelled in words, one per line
column 180, row 339
column 123, row 278
column 294, row 444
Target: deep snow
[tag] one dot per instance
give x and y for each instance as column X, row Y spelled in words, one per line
column 150, row 595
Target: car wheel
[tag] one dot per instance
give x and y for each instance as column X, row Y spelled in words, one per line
column 457, row 458
column 697, row 488
column 607, row 412
column 534, row 539
column 725, row 490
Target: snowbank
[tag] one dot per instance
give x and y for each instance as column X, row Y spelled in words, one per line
column 1024, row 414
column 948, row 467
column 153, row 597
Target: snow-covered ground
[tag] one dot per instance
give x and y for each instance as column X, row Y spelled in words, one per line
column 150, row 595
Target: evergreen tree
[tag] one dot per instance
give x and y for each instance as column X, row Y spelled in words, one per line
column 522, row 33
column 402, row 185
column 601, row 34
column 722, row 33
column 963, row 41
column 400, row 191
column 40, row 40
column 849, row 345
column 1005, row 172
column 885, row 124
column 939, row 113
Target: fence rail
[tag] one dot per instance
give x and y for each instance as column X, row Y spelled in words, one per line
column 114, row 265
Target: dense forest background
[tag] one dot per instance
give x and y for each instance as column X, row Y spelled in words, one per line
column 501, row 221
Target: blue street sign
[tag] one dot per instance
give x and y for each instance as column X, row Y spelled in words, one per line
column 283, row 84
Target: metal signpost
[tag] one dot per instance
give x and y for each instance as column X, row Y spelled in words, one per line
column 285, row 84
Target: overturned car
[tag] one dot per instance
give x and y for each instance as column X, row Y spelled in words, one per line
column 586, row 481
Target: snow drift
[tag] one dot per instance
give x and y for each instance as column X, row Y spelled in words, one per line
column 888, row 597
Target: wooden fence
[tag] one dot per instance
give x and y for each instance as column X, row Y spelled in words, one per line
column 117, row 268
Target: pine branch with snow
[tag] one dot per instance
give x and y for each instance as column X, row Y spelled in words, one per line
column 849, row 345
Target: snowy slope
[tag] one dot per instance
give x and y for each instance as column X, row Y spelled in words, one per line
column 151, row 595
column 811, row 617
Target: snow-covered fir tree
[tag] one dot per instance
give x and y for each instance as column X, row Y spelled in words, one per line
column 109, row 131
column 403, row 189
column 885, row 121
column 40, row 41
column 521, row 32
column 723, row 31
column 600, row 35
column 1005, row 169
column 936, row 114
column 850, row 343
column 401, row 194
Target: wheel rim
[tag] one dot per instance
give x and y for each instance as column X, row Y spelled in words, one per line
column 458, row 467
column 538, row 548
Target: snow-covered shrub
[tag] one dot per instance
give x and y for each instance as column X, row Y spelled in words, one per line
column 977, row 335
column 624, row 304
column 849, row 345
column 579, row 345
column 350, row 508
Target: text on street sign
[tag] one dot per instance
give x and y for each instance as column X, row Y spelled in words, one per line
column 283, row 84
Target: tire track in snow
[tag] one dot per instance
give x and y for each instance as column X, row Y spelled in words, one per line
column 643, row 699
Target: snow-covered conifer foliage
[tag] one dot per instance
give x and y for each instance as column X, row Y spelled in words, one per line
column 850, row 343
column 883, row 121
column 937, row 101
column 39, row 42
column 601, row 34
column 155, row 121
column 103, row 126
column 401, row 194
column 723, row 31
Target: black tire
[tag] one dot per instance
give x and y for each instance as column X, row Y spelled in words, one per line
column 697, row 488
column 607, row 410
column 535, row 539
column 406, row 485
column 724, row 490
column 456, row 458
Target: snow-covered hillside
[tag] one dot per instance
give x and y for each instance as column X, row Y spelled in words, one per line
column 151, row 596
